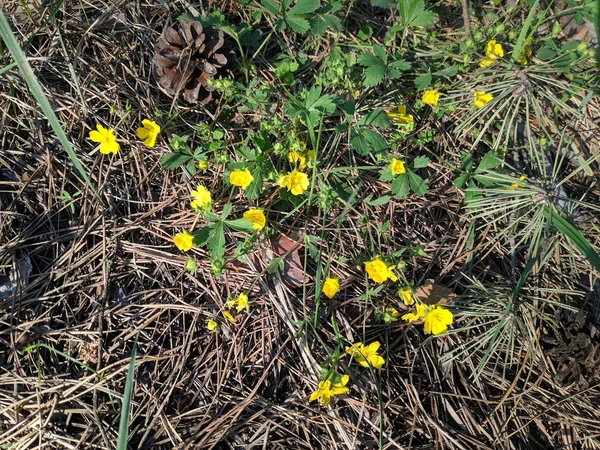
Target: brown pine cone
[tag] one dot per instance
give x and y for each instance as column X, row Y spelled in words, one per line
column 186, row 58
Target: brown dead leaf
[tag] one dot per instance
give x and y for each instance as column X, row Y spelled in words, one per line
column 293, row 267
column 434, row 294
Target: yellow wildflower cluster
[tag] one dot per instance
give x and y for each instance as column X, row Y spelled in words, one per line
column 481, row 98
column 493, row 51
column 435, row 318
column 240, row 303
column 184, row 241
column 406, row 121
column 331, row 286
column 514, row 186
column 397, row 166
column 257, row 217
column 108, row 140
column 328, row 389
column 241, row 178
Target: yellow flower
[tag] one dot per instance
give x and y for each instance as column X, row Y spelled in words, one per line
column 228, row 316
column 493, row 51
column 241, row 178
column 296, row 182
column 393, row 312
column 202, row 198
column 406, row 295
column 257, row 217
column 326, row 390
column 379, row 271
column 301, row 157
column 184, row 241
column 243, row 303
column 481, row 98
column 514, row 186
column 437, row 320
column 203, row 164
column 431, row 97
column 148, row 132
column 366, row 355
column 397, row 167
column 331, row 286
column 401, row 117
column 106, row 138
column 527, row 52
column 420, row 312
column 212, row 325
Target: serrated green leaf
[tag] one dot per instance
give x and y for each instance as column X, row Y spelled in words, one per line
column 417, row 184
column 385, row 174
column 401, row 186
column 298, row 24
column 391, row 73
column 174, row 160
column 374, row 75
column 271, row 6
column 420, row 161
column 240, row 225
column 467, row 161
column 216, row 242
column 377, row 118
column 227, row 208
column 423, row 81
column 254, row 190
column 305, row 7
column 369, row 59
column 320, row 22
column 380, row 53
column 400, row 64
column 413, row 13
column 375, row 141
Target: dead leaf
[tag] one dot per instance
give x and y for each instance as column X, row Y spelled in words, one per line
column 293, row 267
column 434, row 294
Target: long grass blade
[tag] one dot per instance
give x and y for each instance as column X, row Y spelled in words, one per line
column 37, row 91
column 126, row 408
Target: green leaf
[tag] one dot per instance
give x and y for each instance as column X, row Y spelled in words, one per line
column 417, row 184
column 423, row 81
column 413, row 13
column 574, row 235
column 320, row 22
column 174, row 160
column 271, row 6
column 400, row 64
column 384, row 3
column 298, row 24
column 240, row 225
column 472, row 195
column 227, row 208
column 377, row 118
column 467, row 161
column 420, row 161
column 126, row 406
column 380, row 53
column 490, row 161
column 254, row 190
column 374, row 76
column 369, row 59
column 201, row 236
column 305, row 7
column 216, row 243
column 460, row 181
column 379, row 201
column 401, row 186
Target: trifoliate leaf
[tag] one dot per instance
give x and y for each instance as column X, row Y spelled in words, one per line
column 374, row 75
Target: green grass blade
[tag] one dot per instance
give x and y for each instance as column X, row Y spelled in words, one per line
column 575, row 236
column 126, row 408
column 36, row 89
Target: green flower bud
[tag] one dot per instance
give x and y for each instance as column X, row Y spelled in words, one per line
column 191, row 266
column 556, row 29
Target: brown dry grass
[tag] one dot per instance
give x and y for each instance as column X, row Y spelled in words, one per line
column 109, row 273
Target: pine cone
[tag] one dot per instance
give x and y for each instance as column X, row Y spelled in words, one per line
column 186, row 58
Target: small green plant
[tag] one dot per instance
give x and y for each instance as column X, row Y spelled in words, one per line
column 68, row 199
